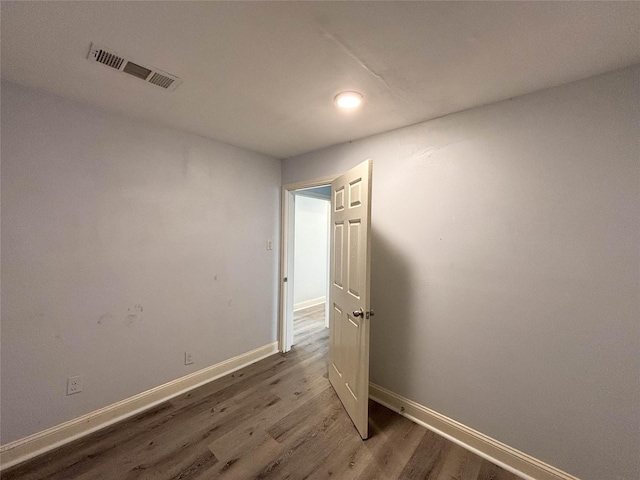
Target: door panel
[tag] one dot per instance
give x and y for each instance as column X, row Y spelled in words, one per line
column 354, row 258
column 337, row 267
column 338, row 204
column 335, row 323
column 350, row 292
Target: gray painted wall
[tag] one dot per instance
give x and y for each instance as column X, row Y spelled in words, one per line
column 505, row 269
column 123, row 245
column 311, row 248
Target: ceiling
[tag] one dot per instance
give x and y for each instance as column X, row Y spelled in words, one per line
column 263, row 75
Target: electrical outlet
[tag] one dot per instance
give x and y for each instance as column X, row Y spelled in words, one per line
column 74, row 384
column 188, row 358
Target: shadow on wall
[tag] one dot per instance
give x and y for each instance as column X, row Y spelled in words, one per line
column 393, row 303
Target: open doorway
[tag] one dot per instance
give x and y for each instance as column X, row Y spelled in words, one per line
column 312, row 216
column 304, row 300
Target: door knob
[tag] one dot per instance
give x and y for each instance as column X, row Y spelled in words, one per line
column 358, row 313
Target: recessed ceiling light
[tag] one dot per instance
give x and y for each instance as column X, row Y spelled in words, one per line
column 348, row 100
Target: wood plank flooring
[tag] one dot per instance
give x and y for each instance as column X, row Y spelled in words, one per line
column 307, row 323
column 276, row 419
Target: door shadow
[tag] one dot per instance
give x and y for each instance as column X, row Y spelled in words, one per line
column 392, row 329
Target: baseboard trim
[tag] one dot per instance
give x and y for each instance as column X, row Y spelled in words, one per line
column 29, row 447
column 309, row 303
column 509, row 458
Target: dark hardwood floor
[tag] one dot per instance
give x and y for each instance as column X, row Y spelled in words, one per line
column 276, row 419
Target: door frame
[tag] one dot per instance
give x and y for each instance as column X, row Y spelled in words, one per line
column 287, row 215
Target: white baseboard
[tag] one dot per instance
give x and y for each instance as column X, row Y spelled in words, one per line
column 308, row 303
column 21, row 450
column 486, row 447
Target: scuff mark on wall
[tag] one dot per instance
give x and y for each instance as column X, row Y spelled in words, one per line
column 134, row 314
column 424, row 154
column 104, row 317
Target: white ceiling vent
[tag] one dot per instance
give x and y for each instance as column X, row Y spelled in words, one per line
column 152, row 75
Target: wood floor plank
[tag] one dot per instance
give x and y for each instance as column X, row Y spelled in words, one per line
column 282, row 429
column 294, row 389
column 428, row 459
column 308, row 323
column 248, row 434
column 307, row 446
column 460, row 464
column 73, row 460
column 189, row 465
column 314, row 451
column 345, row 462
column 356, row 455
column 199, row 469
column 489, row 471
column 389, row 458
column 276, row 419
column 248, row 465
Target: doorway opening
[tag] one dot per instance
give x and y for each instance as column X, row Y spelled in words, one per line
column 311, row 262
column 304, row 299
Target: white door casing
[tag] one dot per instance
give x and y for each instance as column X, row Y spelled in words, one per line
column 285, row 334
column 350, row 292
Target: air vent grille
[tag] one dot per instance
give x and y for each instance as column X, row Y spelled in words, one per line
column 151, row 75
column 161, row 80
column 109, row 59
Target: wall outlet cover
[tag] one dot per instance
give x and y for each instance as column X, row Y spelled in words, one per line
column 188, row 358
column 74, row 384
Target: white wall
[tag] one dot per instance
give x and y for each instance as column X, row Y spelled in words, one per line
column 311, row 248
column 505, row 269
column 123, row 245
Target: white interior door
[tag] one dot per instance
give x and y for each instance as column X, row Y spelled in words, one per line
column 350, row 291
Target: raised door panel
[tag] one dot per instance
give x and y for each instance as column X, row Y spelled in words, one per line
column 353, row 254
column 338, row 264
column 335, row 339
column 351, row 338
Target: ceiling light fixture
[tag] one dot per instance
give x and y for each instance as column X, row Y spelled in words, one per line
column 348, row 100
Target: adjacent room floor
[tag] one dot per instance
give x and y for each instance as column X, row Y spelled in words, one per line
column 307, row 323
column 278, row 418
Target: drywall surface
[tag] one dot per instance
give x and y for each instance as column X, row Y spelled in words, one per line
column 310, row 249
column 505, row 269
column 123, row 246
